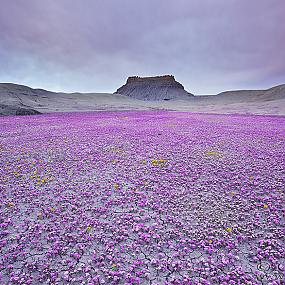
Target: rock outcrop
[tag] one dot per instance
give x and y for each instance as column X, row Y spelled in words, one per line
column 154, row 88
column 6, row 110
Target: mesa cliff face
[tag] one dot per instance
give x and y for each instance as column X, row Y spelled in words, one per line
column 154, row 88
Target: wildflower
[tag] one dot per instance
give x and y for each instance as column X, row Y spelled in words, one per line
column 154, row 161
column 114, row 266
column 158, row 161
column 212, row 153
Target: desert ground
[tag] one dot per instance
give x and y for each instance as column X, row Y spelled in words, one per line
column 143, row 197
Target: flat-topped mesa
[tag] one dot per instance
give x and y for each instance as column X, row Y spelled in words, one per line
column 154, row 88
column 154, row 78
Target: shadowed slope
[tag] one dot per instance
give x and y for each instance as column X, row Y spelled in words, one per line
column 154, row 88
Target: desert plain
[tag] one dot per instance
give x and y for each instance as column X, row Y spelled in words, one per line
column 142, row 197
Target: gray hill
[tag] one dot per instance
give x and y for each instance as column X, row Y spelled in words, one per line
column 22, row 100
column 242, row 96
column 19, row 99
column 155, row 88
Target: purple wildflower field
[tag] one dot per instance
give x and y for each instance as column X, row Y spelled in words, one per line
column 142, row 198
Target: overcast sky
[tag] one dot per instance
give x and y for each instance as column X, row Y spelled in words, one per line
column 94, row 45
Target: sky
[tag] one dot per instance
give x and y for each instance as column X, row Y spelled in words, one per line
column 93, row 45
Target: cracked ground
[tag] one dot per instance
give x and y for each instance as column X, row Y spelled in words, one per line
column 142, row 198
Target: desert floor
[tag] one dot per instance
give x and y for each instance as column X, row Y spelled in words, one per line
column 142, row 197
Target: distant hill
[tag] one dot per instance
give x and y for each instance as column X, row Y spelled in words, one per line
column 155, row 88
column 22, row 100
column 274, row 93
column 16, row 99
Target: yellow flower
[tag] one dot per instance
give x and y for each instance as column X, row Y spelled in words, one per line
column 229, row 230
column 212, row 153
column 154, row 162
column 158, row 161
column 265, row 206
column 10, row 204
column 89, row 228
column 116, row 186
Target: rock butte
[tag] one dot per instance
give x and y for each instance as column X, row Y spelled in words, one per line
column 155, row 88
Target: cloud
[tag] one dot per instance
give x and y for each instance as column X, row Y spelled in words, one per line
column 93, row 45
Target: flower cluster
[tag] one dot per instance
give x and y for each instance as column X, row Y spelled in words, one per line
column 131, row 198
